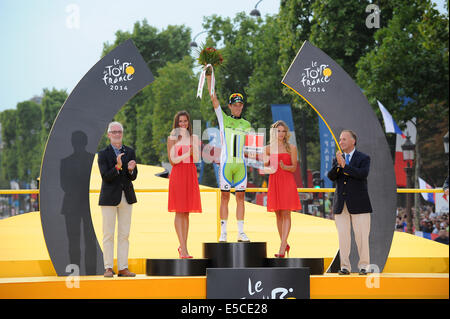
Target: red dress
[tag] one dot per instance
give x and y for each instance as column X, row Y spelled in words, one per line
column 184, row 193
column 282, row 193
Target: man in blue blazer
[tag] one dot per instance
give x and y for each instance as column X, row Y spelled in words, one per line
column 351, row 202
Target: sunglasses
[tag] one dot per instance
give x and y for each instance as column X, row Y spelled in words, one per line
column 236, row 94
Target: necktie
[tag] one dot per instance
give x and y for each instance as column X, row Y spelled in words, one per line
column 347, row 159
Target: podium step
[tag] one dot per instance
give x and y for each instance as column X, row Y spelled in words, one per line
column 176, row 267
column 235, row 255
column 314, row 264
column 229, row 255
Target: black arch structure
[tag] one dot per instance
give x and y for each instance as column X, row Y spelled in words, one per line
column 69, row 153
column 342, row 105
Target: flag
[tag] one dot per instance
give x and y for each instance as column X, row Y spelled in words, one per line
column 390, row 125
column 284, row 112
column 400, row 164
column 327, row 151
column 427, row 196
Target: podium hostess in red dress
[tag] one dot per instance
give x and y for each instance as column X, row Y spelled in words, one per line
column 184, row 193
column 282, row 195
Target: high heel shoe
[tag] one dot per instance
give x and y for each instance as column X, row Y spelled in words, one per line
column 181, row 256
column 286, row 251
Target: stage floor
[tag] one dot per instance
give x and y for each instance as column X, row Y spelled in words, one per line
column 25, row 264
column 328, row 286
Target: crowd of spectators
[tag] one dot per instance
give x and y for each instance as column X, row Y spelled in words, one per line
column 430, row 222
column 12, row 205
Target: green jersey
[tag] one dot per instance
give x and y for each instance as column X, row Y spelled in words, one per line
column 233, row 169
column 232, row 134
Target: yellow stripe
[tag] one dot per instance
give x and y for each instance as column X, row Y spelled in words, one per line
column 373, row 286
column 334, row 137
column 214, row 190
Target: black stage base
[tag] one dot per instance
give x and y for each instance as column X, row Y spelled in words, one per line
column 235, row 255
column 314, row 264
column 229, row 255
column 177, row 267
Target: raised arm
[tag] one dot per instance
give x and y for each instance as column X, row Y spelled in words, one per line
column 214, row 99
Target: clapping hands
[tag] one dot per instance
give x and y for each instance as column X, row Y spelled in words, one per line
column 340, row 159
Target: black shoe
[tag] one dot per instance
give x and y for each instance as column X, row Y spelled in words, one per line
column 343, row 271
column 363, row 272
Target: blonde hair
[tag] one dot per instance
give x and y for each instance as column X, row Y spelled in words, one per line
column 274, row 132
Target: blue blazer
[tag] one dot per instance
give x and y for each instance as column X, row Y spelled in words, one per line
column 351, row 185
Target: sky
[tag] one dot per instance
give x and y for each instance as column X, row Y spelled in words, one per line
column 53, row 43
column 45, row 45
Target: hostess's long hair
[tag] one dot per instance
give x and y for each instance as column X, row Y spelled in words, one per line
column 274, row 133
column 176, row 119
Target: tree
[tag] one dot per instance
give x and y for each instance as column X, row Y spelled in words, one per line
column 408, row 72
column 338, row 28
column 173, row 90
column 235, row 39
column 25, row 131
column 144, row 122
column 28, row 137
column 295, row 21
column 411, row 61
column 340, row 31
column 52, row 102
column 8, row 119
column 402, row 66
column 264, row 87
column 157, row 48
column 251, row 49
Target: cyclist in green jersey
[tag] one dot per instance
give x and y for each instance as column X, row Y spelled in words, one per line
column 233, row 168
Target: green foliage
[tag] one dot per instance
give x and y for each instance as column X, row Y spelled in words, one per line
column 405, row 64
column 406, row 57
column 295, row 20
column 157, row 48
column 173, row 90
column 24, row 133
column 235, row 40
column 28, row 147
column 52, row 102
column 264, row 86
column 340, row 31
column 411, row 60
column 8, row 119
column 144, row 150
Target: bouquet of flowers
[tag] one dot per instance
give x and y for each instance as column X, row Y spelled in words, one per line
column 210, row 56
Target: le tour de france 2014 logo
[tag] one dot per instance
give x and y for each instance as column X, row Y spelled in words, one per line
column 117, row 75
column 315, row 77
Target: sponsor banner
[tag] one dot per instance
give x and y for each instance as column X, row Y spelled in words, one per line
column 257, row 283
